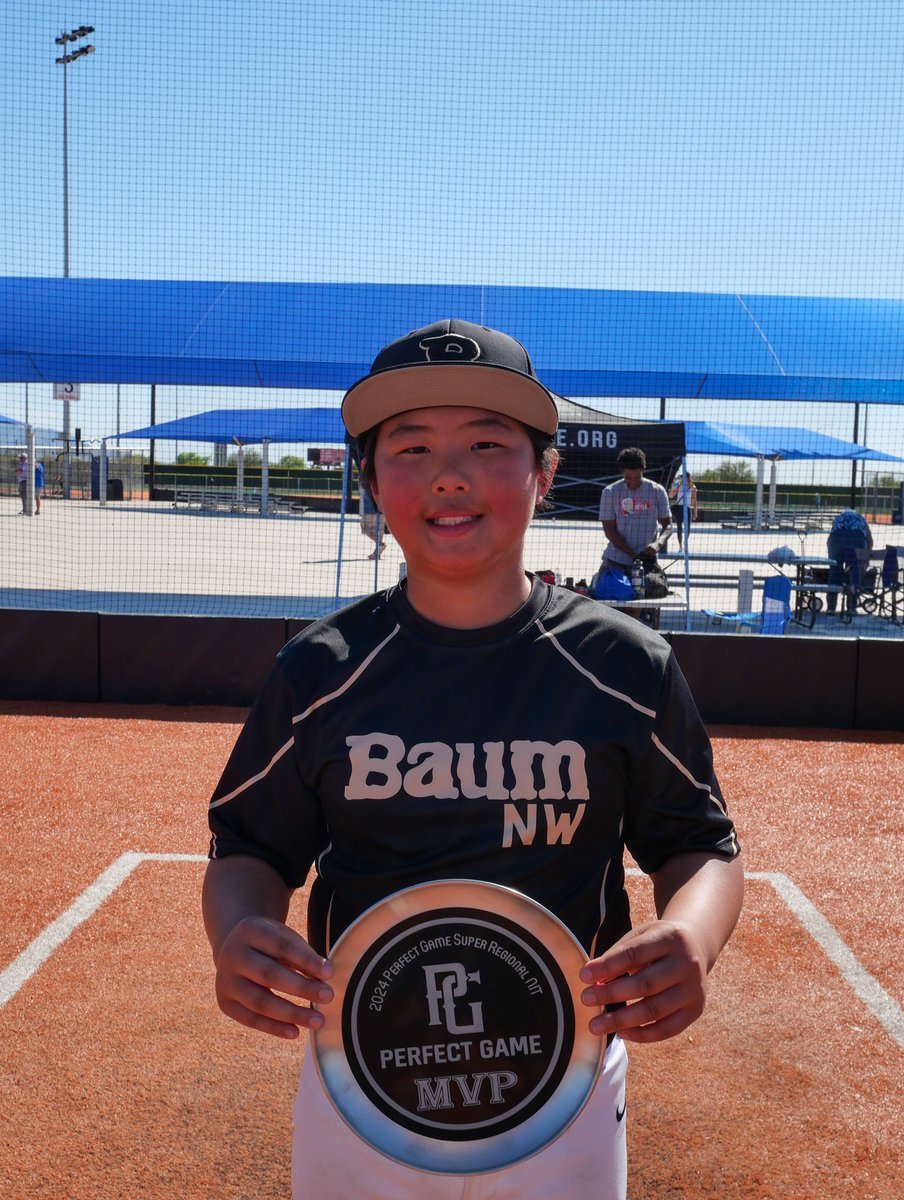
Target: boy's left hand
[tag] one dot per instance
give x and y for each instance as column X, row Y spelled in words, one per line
column 658, row 971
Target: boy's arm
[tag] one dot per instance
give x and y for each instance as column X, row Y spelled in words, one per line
column 610, row 528
column 245, row 903
column 658, row 970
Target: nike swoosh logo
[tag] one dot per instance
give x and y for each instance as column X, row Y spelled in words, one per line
column 620, row 1112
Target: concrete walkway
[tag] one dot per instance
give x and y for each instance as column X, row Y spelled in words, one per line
column 151, row 558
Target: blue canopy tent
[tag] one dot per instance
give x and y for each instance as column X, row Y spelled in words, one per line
column 324, row 335
column 250, row 426
column 591, row 440
column 773, row 443
column 584, row 342
column 709, row 437
column 762, row 442
column 14, row 432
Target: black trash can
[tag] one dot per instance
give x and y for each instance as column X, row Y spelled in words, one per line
column 114, row 489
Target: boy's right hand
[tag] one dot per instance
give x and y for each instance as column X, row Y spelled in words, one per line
column 260, row 957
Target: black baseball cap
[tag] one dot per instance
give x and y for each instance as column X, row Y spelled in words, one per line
column 451, row 362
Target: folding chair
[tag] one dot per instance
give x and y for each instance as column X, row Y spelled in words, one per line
column 776, row 604
column 890, row 601
column 775, row 614
column 849, row 566
column 859, row 590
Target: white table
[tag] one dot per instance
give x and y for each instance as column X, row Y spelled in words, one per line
column 642, row 604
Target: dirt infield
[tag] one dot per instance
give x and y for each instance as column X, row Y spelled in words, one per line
column 121, row 1078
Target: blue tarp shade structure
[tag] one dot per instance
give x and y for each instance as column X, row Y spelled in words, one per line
column 773, row 443
column 579, row 425
column 16, row 436
column 755, row 441
column 591, row 441
column 250, row 426
column 324, row 335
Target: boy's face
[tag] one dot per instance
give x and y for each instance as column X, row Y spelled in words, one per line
column 458, row 488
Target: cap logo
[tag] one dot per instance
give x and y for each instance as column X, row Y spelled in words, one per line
column 447, row 347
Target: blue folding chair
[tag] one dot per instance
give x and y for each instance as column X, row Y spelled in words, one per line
column 775, row 614
column 776, row 604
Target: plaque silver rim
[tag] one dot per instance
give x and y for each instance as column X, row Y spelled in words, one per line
column 438, row 1155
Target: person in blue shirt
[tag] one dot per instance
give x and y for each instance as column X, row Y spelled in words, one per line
column 21, row 480
column 849, row 531
column 39, row 486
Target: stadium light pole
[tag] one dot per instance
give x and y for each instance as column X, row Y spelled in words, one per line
column 65, row 39
column 63, row 61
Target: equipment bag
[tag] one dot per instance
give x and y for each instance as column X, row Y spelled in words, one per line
column 614, row 585
column 656, row 585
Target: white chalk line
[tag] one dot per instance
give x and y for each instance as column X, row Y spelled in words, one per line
column 866, row 987
column 33, row 957
column 884, row 1008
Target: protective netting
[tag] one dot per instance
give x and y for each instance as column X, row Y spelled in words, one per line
column 689, row 214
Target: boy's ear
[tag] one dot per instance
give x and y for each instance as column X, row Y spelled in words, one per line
column 547, row 474
column 372, row 485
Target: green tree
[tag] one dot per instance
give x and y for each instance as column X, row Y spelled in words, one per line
column 728, row 472
column 292, row 460
column 252, row 459
column 189, row 459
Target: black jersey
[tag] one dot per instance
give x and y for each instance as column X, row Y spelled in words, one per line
column 391, row 751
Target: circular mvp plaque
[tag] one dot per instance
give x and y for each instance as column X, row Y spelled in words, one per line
column 457, row 1042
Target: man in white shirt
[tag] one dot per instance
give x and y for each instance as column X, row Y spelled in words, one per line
column 22, row 480
column 633, row 511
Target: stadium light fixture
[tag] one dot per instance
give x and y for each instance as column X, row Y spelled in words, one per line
column 64, row 60
column 74, row 35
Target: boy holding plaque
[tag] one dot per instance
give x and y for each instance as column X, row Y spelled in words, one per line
column 469, row 723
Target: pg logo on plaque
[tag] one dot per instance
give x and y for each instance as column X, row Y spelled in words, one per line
column 462, row 1045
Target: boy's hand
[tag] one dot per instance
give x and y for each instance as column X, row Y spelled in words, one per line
column 260, row 957
column 659, row 972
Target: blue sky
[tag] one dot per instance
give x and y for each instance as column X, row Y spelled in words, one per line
column 707, row 146
column 701, row 145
